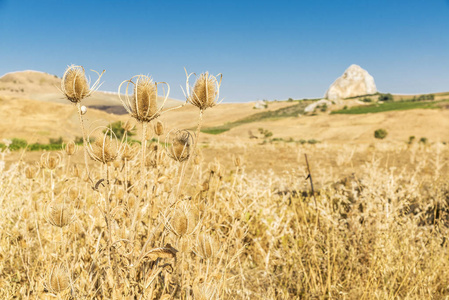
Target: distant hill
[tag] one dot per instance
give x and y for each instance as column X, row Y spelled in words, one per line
column 42, row 86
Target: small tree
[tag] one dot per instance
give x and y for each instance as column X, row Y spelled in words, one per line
column 380, row 134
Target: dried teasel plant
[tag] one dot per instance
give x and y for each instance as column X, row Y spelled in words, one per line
column 59, row 214
column 58, row 279
column 205, row 91
column 70, row 148
column 50, row 160
column 178, row 144
column 105, row 147
column 31, row 172
column 159, row 128
column 142, row 104
column 182, row 221
column 76, row 86
column 206, row 246
column 129, row 152
column 204, row 291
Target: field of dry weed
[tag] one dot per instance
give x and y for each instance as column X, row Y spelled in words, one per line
column 168, row 219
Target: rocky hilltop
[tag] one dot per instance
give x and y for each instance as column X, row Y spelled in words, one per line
column 355, row 81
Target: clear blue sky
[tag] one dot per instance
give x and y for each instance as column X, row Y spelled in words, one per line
column 265, row 49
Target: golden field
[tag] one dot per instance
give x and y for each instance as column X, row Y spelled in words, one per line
column 223, row 216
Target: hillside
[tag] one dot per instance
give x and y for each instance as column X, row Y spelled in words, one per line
column 34, row 109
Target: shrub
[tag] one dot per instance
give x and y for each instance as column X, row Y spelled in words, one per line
column 58, row 141
column 266, row 133
column 367, row 100
column 411, row 139
column 385, row 97
column 380, row 134
column 323, row 108
column 119, row 131
column 423, row 140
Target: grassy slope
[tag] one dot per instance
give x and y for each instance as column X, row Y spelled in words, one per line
column 285, row 112
column 387, row 106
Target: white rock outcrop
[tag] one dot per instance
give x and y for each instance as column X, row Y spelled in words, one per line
column 355, row 81
column 311, row 107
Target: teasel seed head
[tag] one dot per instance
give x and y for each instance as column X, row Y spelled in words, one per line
column 142, row 104
column 74, row 171
column 206, row 246
column 73, row 193
column 181, row 143
column 238, row 162
column 30, row 172
column 58, row 280
column 129, row 152
column 70, row 148
column 50, row 160
column 205, row 91
column 75, row 85
column 204, row 291
column 215, row 168
column 159, row 128
column 59, row 214
column 128, row 126
column 105, row 148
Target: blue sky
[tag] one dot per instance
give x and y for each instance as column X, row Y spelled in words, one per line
column 265, row 49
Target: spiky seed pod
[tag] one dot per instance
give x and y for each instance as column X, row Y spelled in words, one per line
column 58, row 280
column 74, row 193
column 129, row 152
column 179, row 223
column 74, row 84
column 105, row 148
column 206, row 246
column 159, row 128
column 74, row 171
column 237, row 161
column 181, row 144
column 128, row 126
column 142, row 104
column 50, row 161
column 205, row 186
column 204, row 291
column 59, row 214
column 215, row 168
column 70, row 148
column 151, row 160
column 30, row 172
column 205, row 91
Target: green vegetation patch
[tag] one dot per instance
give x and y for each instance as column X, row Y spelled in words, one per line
column 387, row 106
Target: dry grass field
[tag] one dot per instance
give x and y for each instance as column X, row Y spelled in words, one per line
column 175, row 214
